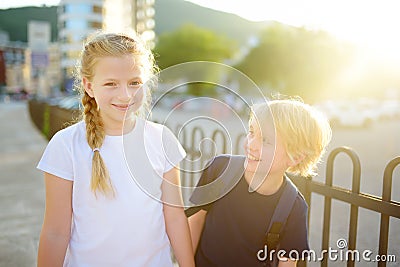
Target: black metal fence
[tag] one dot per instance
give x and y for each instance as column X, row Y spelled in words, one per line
column 383, row 205
column 50, row 119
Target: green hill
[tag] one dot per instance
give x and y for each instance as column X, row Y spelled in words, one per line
column 15, row 21
column 170, row 15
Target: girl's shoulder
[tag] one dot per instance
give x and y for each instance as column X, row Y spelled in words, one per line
column 71, row 132
column 154, row 127
column 152, row 124
column 159, row 133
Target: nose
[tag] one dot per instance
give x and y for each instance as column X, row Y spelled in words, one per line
column 125, row 92
column 251, row 143
column 248, row 142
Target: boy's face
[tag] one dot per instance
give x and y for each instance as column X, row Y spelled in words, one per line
column 265, row 152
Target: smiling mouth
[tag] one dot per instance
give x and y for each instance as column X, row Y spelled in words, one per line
column 250, row 157
column 123, row 106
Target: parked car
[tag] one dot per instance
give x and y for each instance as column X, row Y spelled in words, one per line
column 349, row 113
column 390, row 109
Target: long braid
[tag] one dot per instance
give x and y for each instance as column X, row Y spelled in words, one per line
column 95, row 136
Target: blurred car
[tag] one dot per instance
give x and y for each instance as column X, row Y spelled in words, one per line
column 390, row 109
column 349, row 113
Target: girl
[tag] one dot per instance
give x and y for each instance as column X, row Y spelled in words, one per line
column 98, row 213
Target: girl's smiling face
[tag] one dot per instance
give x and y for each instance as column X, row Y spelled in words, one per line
column 117, row 87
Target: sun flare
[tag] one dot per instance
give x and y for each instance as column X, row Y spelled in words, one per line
column 371, row 25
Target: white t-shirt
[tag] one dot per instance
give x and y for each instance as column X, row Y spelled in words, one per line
column 129, row 229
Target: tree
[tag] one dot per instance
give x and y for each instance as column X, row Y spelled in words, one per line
column 191, row 43
column 295, row 61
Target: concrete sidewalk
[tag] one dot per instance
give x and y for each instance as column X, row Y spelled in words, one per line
column 21, row 186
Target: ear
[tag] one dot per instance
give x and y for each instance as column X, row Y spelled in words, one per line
column 88, row 86
column 296, row 160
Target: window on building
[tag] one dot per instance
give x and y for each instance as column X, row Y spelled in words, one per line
column 96, row 25
column 76, row 24
column 78, row 8
column 97, row 9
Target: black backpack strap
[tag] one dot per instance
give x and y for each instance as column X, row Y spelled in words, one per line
column 281, row 213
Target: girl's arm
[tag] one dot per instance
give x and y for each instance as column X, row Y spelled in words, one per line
column 196, row 223
column 175, row 219
column 56, row 229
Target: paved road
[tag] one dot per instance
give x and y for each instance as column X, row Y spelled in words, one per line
column 21, row 186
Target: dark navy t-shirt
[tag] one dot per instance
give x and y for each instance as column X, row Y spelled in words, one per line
column 235, row 225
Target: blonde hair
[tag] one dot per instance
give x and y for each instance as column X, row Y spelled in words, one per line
column 99, row 45
column 304, row 131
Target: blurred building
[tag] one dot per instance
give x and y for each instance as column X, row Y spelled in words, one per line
column 76, row 20
column 12, row 60
column 12, row 63
column 144, row 20
column 79, row 18
column 32, row 67
column 43, row 71
column 53, row 71
column 132, row 14
column 42, row 60
column 4, row 39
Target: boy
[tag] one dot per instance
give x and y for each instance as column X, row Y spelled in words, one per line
column 284, row 136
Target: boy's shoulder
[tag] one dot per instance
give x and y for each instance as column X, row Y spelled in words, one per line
column 299, row 198
column 302, row 200
column 226, row 168
column 225, row 159
column 291, row 202
column 300, row 205
column 225, row 162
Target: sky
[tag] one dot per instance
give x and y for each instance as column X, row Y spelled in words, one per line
column 372, row 24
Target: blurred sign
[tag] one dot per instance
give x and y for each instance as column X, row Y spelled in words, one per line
column 39, row 33
column 39, row 59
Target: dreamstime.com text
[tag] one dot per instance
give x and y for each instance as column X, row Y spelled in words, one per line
column 340, row 254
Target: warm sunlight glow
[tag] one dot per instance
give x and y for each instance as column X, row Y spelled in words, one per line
column 123, row 21
column 370, row 24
